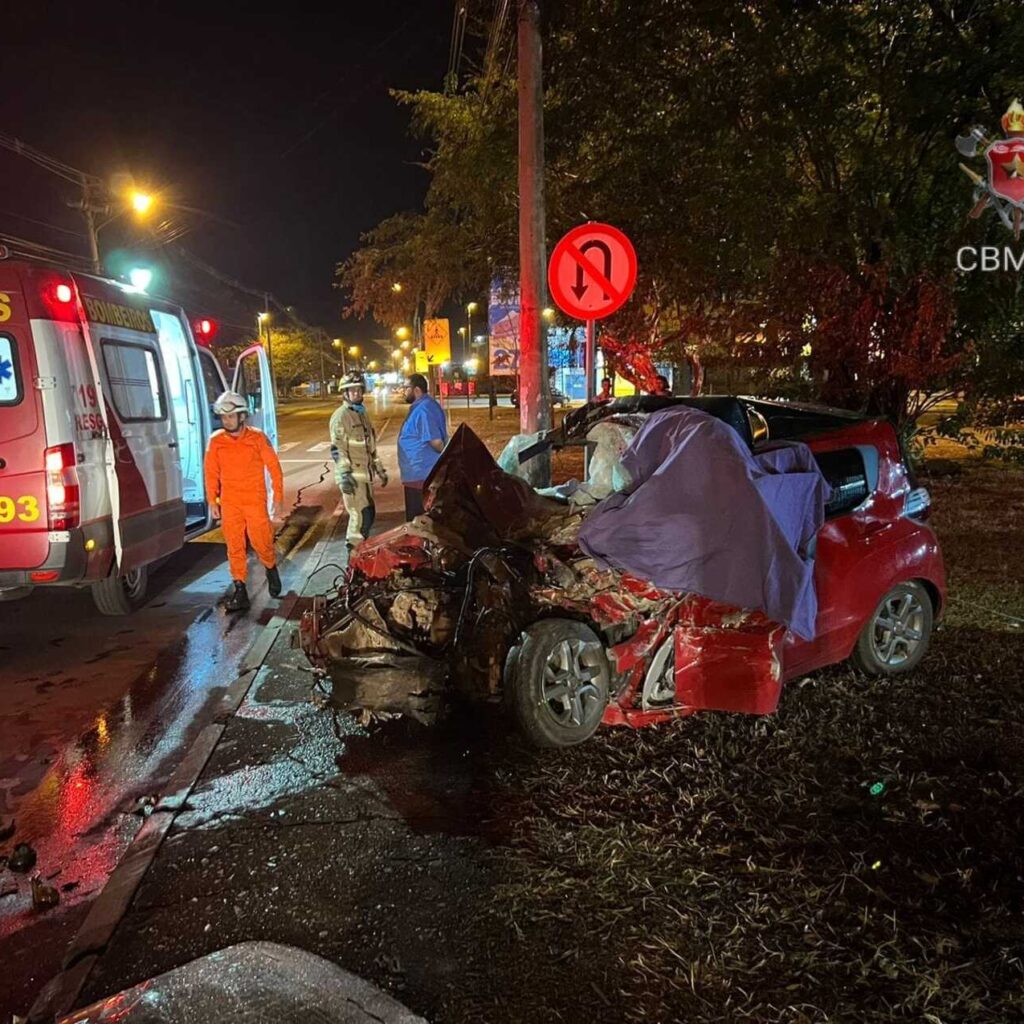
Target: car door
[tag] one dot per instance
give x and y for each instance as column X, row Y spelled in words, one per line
column 839, row 556
column 253, row 381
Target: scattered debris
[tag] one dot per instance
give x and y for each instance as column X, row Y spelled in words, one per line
column 145, row 805
column 43, row 896
column 23, row 858
column 6, row 829
column 8, row 890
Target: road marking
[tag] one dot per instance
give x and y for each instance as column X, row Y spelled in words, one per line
column 311, row 462
column 287, row 446
column 322, row 446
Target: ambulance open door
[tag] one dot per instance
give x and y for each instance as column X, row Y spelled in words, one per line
column 254, row 383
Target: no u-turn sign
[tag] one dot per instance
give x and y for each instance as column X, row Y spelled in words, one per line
column 592, row 271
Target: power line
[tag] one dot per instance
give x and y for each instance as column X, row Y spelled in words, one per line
column 53, row 165
column 41, row 223
column 38, row 251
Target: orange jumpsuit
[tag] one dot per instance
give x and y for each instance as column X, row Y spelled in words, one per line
column 235, row 478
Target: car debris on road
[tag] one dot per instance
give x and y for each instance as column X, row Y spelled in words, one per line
column 710, row 555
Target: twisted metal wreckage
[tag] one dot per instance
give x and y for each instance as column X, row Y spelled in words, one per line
column 494, row 593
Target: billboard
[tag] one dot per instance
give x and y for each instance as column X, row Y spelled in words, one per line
column 503, row 329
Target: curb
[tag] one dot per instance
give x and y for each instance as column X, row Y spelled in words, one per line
column 58, row 997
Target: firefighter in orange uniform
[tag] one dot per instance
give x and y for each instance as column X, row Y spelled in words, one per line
column 237, row 492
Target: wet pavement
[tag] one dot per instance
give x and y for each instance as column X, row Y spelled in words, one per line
column 368, row 848
column 98, row 711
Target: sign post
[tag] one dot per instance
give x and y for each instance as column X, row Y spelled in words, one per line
column 591, row 274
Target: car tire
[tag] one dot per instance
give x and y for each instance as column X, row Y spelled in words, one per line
column 558, row 684
column 896, row 637
column 121, row 595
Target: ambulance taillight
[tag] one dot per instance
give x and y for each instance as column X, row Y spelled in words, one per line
column 52, row 297
column 63, row 494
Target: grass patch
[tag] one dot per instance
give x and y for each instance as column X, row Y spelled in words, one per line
column 856, row 856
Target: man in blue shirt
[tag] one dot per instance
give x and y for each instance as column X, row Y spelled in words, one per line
column 420, row 442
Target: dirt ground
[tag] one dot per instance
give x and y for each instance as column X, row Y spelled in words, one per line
column 856, row 856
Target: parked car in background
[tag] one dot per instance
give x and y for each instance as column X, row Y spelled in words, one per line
column 558, row 399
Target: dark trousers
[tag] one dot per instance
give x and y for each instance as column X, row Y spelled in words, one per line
column 413, row 501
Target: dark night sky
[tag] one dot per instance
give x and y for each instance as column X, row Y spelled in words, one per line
column 278, row 122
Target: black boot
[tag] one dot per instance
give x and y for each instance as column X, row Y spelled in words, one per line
column 274, row 581
column 238, row 599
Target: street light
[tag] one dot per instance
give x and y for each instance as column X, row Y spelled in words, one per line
column 141, row 202
column 397, row 286
column 405, row 346
column 340, row 346
column 263, row 318
column 548, row 313
column 402, row 333
column 471, row 308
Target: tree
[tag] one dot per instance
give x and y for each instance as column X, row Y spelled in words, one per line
column 296, row 355
column 784, row 168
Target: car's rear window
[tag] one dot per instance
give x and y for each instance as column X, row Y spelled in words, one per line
column 847, row 476
column 10, row 375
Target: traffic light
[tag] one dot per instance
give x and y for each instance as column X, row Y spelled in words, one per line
column 205, row 330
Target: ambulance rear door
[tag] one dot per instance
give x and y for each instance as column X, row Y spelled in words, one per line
column 147, row 499
column 185, row 393
column 254, row 383
column 24, row 540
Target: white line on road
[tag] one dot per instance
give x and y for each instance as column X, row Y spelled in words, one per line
column 321, row 446
column 313, row 462
column 287, row 446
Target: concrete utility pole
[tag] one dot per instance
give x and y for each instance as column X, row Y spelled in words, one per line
column 534, row 395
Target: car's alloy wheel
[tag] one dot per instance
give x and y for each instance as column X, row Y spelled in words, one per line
column 897, row 635
column 558, row 684
column 569, row 682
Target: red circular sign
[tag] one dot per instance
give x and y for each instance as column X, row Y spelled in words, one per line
column 592, row 271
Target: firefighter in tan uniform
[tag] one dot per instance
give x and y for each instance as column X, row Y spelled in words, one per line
column 354, row 450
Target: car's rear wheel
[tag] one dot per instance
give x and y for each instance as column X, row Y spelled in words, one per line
column 896, row 636
column 558, row 685
column 121, row 595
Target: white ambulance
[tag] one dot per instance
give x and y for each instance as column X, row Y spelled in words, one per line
column 105, row 411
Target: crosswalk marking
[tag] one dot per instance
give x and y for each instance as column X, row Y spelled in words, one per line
column 287, row 446
column 321, row 447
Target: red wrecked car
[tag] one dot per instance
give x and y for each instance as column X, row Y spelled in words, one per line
column 491, row 596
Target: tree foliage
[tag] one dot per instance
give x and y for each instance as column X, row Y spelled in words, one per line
column 784, row 168
column 296, row 354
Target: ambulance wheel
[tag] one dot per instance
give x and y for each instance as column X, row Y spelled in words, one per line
column 558, row 685
column 121, row 595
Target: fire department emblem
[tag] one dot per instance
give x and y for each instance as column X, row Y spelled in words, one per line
column 1003, row 187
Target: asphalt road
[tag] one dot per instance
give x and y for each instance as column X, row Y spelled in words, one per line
column 97, row 711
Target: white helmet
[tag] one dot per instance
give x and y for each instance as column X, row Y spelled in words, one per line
column 230, row 402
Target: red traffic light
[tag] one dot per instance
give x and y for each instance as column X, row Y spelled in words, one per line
column 205, row 329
